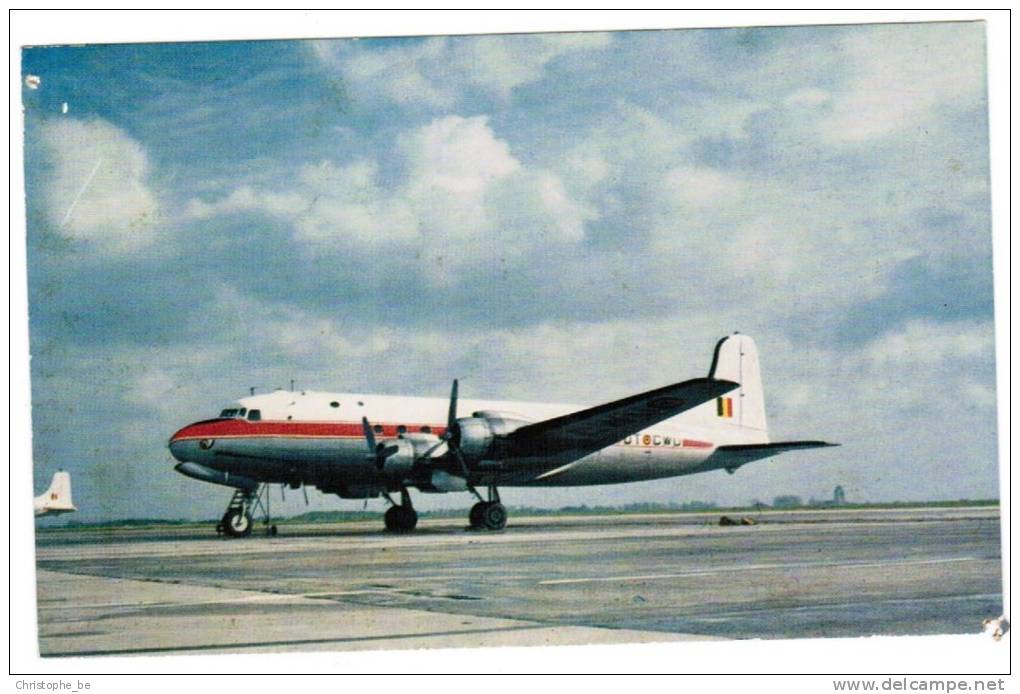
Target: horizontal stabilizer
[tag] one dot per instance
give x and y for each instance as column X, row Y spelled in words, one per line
column 746, row 452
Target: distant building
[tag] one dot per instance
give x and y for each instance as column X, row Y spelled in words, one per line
column 787, row 501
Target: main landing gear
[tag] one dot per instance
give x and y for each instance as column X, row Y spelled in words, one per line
column 400, row 518
column 237, row 521
column 491, row 514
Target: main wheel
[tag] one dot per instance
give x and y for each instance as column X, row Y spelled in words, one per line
column 392, row 518
column 400, row 519
column 494, row 516
column 408, row 519
column 237, row 524
column 476, row 513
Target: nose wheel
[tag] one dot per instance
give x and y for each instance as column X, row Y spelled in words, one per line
column 236, row 523
column 237, row 520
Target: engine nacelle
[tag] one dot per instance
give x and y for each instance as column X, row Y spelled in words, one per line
column 399, row 463
column 478, row 432
column 409, row 449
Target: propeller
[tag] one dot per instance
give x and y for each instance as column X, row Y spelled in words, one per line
column 377, row 452
column 451, row 437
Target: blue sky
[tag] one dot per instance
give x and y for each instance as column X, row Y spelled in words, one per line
column 561, row 217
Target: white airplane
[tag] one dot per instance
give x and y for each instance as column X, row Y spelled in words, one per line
column 363, row 446
column 56, row 499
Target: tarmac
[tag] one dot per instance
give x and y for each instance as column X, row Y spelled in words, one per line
column 542, row 581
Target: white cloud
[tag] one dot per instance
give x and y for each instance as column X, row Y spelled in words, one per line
column 97, row 188
column 453, row 162
column 502, row 63
column 927, row 343
column 394, row 73
column 698, row 188
column 902, row 73
column 346, row 205
column 808, row 97
column 463, row 197
column 435, row 72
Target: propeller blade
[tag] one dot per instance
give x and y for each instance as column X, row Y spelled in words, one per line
column 283, row 494
column 305, row 490
column 369, row 434
column 460, row 459
column 450, row 434
column 451, row 418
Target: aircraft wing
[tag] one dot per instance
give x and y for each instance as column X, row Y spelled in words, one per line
column 580, row 433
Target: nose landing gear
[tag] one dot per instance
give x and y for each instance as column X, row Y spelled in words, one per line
column 237, row 520
column 490, row 515
column 236, row 523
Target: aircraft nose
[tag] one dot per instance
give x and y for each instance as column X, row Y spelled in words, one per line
column 179, row 450
column 183, row 445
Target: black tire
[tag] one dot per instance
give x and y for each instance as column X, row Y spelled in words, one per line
column 476, row 513
column 408, row 518
column 237, row 524
column 494, row 516
column 400, row 519
column 391, row 519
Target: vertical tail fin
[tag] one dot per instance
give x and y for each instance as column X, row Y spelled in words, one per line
column 736, row 359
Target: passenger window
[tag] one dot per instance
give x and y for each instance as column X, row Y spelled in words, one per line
column 378, row 428
column 254, row 415
column 334, row 404
column 401, row 429
column 241, row 412
column 426, row 429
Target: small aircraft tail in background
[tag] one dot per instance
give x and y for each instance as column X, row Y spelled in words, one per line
column 56, row 499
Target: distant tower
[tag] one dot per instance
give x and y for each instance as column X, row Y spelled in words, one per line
column 838, row 496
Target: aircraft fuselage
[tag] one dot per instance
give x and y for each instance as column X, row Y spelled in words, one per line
column 317, row 438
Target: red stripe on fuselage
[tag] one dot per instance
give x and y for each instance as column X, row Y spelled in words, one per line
column 234, row 428
column 241, row 428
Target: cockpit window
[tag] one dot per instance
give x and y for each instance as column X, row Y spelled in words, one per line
column 234, row 413
column 254, row 415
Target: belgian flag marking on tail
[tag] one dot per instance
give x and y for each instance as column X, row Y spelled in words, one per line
column 724, row 407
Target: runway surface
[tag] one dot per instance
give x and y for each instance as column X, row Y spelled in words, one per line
column 543, row 581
